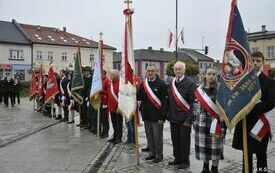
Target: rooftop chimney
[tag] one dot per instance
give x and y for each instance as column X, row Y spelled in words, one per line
column 161, row 49
column 263, row 28
column 150, row 48
column 64, row 29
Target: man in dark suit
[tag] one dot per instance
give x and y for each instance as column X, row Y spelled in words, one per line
column 8, row 84
column 152, row 94
column 266, row 104
column 65, row 99
column 181, row 99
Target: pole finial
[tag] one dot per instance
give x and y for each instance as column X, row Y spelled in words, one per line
column 128, row 2
column 100, row 35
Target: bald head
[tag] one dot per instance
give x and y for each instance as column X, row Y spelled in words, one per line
column 179, row 69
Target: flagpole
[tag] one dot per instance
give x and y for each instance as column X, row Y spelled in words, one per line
column 245, row 152
column 136, row 139
column 52, row 104
column 98, row 117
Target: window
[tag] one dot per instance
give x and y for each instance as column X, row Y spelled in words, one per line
column 75, row 56
column 16, row 55
column 270, row 52
column 201, row 65
column 92, row 57
column 254, row 49
column 114, row 66
column 50, row 55
column 64, row 56
column 146, row 65
column 19, row 74
column 39, row 54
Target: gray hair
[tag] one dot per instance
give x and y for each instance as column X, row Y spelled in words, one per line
column 115, row 74
column 180, row 63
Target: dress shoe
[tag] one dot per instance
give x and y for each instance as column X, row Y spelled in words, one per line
column 59, row 117
column 111, row 140
column 117, row 141
column 205, row 171
column 174, row 163
column 70, row 122
column 104, row 136
column 156, row 160
column 150, row 157
column 184, row 166
column 145, row 149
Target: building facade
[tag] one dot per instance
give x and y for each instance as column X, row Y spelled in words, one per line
column 144, row 57
column 15, row 52
column 264, row 41
column 34, row 45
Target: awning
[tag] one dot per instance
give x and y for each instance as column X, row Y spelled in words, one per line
column 6, row 66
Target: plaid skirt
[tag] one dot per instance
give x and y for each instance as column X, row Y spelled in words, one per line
column 207, row 146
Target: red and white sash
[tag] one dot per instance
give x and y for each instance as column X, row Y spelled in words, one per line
column 261, row 128
column 113, row 93
column 151, row 95
column 178, row 98
column 211, row 109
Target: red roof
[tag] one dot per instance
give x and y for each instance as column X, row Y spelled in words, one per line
column 53, row 36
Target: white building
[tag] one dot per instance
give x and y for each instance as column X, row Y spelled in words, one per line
column 15, row 52
column 23, row 46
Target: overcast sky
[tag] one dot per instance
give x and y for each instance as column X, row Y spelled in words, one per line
column 151, row 20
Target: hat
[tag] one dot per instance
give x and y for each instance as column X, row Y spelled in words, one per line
column 87, row 68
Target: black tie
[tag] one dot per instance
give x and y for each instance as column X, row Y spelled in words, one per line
column 177, row 80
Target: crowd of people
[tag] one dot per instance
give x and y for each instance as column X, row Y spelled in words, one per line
column 181, row 102
column 9, row 90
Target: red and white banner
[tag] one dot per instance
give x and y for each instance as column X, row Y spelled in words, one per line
column 127, row 89
column 261, row 128
column 178, row 98
column 211, row 109
column 52, row 85
column 170, row 38
column 151, row 95
column 40, row 83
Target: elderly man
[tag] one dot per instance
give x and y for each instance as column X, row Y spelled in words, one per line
column 181, row 98
column 152, row 94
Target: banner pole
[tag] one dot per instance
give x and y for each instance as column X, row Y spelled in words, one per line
column 98, row 117
column 52, row 107
column 33, row 104
column 245, row 152
column 136, row 139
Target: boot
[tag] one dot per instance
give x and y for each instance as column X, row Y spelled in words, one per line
column 214, row 169
column 205, row 168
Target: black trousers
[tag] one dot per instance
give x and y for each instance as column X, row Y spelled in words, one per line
column 1, row 96
column 181, row 141
column 91, row 113
column 17, row 95
column 9, row 94
column 117, row 125
column 104, row 121
column 66, row 112
column 83, row 114
column 261, row 163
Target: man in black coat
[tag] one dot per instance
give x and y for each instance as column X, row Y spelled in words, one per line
column 1, row 89
column 65, row 99
column 8, row 84
column 153, row 109
column 266, row 104
column 180, row 114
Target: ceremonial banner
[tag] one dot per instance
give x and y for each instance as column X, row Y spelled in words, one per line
column 40, row 83
column 77, row 81
column 239, row 88
column 127, row 89
column 33, row 85
column 97, row 87
column 52, row 85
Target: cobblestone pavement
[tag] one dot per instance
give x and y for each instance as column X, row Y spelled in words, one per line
column 33, row 143
column 20, row 121
column 122, row 157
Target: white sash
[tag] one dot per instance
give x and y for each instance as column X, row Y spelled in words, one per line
column 178, row 98
column 151, row 95
column 113, row 93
